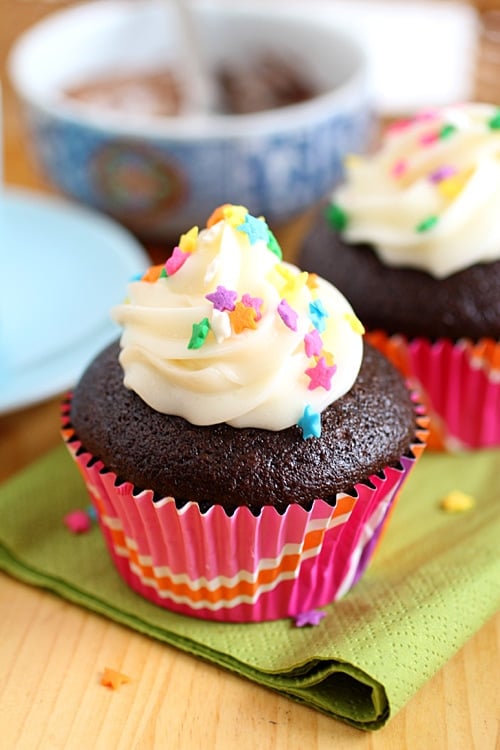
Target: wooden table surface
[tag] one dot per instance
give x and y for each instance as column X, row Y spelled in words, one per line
column 52, row 653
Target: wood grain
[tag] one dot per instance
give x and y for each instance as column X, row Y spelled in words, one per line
column 52, row 653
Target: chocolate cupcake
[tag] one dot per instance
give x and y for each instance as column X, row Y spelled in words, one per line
column 412, row 238
column 241, row 440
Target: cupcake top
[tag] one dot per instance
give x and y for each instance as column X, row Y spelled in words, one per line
column 226, row 331
column 429, row 198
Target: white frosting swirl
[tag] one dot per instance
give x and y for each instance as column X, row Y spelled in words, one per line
column 252, row 378
column 430, row 197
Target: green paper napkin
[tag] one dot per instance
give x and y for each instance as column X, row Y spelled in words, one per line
column 433, row 582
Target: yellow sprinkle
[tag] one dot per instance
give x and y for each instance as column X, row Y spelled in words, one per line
column 187, row 242
column 352, row 160
column 327, row 356
column 457, row 502
column 453, row 186
column 355, row 323
column 235, row 215
column 294, row 285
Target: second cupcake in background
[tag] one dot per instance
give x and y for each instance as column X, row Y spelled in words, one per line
column 412, row 238
column 242, row 446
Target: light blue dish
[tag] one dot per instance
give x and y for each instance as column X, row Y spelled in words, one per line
column 161, row 176
column 61, row 270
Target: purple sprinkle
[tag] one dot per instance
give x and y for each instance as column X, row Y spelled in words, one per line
column 442, row 173
column 222, row 299
column 287, row 315
column 255, row 302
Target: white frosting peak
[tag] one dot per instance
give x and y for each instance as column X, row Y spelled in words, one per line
column 429, row 198
column 227, row 332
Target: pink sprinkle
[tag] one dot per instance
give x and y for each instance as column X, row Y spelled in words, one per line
column 255, row 302
column 442, row 173
column 399, row 168
column 396, row 127
column 176, row 260
column 429, row 138
column 78, row 522
column 426, row 115
column 313, row 343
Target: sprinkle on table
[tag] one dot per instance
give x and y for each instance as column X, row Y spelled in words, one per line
column 320, row 375
column 311, row 617
column 223, row 298
column 199, row 334
column 77, row 521
column 457, row 501
column 427, row 224
column 113, row 679
column 310, row 423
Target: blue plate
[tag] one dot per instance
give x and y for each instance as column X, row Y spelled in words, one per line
column 62, row 268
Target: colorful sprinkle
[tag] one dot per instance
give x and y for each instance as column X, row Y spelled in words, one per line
column 310, row 423
column 457, row 502
column 91, row 512
column 312, row 281
column 442, row 173
column 494, row 122
column 355, row 323
column 187, row 242
column 256, row 229
column 78, row 521
column 294, row 284
column 313, row 343
column 337, row 217
column 318, row 314
column 427, row 224
column 311, row 617
column 113, row 679
column 222, row 299
column 427, row 139
column 199, row 334
column 320, row 375
column 446, row 131
column 287, row 315
column 453, row 186
column 221, row 325
column 399, row 168
column 152, row 274
column 274, row 246
column 255, row 302
column 176, row 261
column 242, row 317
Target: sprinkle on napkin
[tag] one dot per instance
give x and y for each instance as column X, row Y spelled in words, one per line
column 311, row 617
column 457, row 502
column 78, row 521
column 113, row 679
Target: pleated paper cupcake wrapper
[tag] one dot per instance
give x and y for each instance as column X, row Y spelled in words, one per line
column 458, row 384
column 240, row 568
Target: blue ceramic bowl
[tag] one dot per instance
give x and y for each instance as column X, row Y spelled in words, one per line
column 158, row 175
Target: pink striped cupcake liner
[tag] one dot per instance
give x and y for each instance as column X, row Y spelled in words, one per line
column 241, row 568
column 458, row 383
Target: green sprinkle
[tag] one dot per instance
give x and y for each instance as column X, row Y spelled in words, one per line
column 200, row 333
column 446, row 131
column 274, row 246
column 163, row 273
column 427, row 224
column 337, row 217
column 494, row 122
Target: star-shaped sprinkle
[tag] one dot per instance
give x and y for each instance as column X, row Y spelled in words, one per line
column 427, row 224
column 337, row 217
column 176, row 261
column 113, row 679
column 355, row 323
column 318, row 314
column 255, row 229
column 152, row 274
column 310, row 423
column 444, row 172
column 255, row 302
column 78, row 521
column 320, row 375
column 311, row 617
column 313, row 343
column 233, row 214
column 294, row 284
column 187, row 242
column 220, row 325
column 274, row 246
column 222, row 299
column 287, row 315
column 242, row 317
column 199, row 334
